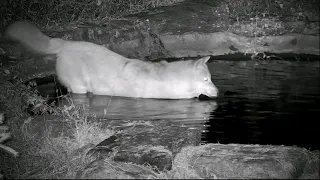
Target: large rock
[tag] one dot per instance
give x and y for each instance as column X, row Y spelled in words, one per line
column 247, row 161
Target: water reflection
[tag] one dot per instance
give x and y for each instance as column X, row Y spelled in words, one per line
column 273, row 103
column 287, row 120
column 189, row 112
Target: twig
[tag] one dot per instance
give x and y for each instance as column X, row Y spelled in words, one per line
column 10, row 150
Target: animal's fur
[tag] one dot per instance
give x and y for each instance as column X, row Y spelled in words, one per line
column 87, row 67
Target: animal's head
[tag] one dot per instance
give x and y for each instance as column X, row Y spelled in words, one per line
column 201, row 79
column 186, row 79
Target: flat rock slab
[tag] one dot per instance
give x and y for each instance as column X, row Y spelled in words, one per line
column 150, row 142
column 220, row 43
column 248, row 161
column 230, row 161
column 105, row 169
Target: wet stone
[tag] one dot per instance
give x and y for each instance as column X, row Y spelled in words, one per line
column 151, row 143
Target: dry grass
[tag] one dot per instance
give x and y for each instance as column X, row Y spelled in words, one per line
column 63, row 155
column 239, row 9
column 67, row 153
column 260, row 17
column 52, row 12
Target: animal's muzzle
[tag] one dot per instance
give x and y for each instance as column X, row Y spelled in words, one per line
column 212, row 92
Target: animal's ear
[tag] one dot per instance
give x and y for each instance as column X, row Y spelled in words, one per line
column 202, row 61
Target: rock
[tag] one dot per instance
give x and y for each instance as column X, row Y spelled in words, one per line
column 105, row 169
column 247, row 161
column 151, row 143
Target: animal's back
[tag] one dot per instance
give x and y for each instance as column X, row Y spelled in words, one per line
column 88, row 67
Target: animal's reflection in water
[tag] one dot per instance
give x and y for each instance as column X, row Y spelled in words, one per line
column 190, row 112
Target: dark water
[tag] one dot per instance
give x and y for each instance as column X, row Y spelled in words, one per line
column 275, row 103
column 260, row 103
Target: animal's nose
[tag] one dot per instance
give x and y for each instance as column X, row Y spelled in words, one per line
column 215, row 90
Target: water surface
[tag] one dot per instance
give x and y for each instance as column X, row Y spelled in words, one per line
column 272, row 103
column 275, row 102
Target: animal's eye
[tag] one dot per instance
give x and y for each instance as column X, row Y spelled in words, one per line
column 205, row 79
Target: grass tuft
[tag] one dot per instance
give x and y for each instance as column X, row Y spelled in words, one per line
column 48, row 155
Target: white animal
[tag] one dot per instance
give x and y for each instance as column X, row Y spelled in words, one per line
column 87, row 67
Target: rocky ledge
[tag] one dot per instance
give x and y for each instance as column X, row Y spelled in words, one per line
column 187, row 29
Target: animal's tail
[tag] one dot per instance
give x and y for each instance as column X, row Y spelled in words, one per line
column 31, row 38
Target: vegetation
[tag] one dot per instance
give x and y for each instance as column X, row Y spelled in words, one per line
column 62, row 154
column 67, row 153
column 293, row 9
column 53, row 12
column 259, row 18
